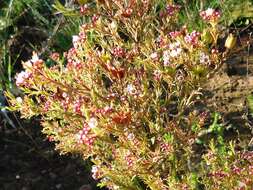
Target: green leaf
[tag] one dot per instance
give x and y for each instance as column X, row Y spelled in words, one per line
column 195, row 127
column 168, row 137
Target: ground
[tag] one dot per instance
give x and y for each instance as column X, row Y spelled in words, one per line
column 27, row 164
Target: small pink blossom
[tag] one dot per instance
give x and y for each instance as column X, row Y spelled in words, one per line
column 192, row 38
column 96, row 172
column 84, row 8
column 175, row 34
column 157, row 75
column 22, row 77
column 204, row 58
column 55, row 56
column 85, row 137
column 210, row 15
column 172, row 9
column 118, row 52
column 166, row 58
column 93, row 122
column 154, row 56
column 127, row 12
column 129, row 159
column 77, row 107
column 94, row 19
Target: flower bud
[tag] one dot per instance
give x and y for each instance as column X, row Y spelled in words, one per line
column 230, row 41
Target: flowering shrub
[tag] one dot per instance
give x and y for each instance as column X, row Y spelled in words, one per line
column 124, row 97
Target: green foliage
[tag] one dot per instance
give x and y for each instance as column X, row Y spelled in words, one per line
column 232, row 11
column 11, row 13
column 32, row 15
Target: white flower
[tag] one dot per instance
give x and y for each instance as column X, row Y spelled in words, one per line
column 175, row 52
column 64, row 95
column 113, row 25
column 21, row 77
column 130, row 89
column 166, row 58
column 27, row 64
column 203, row 58
column 130, row 136
column 175, row 49
column 94, row 169
column 93, row 122
column 157, row 74
column 79, row 136
column 75, row 40
column 35, row 57
column 107, row 108
column 19, row 100
column 154, row 55
column 174, row 45
column 209, row 12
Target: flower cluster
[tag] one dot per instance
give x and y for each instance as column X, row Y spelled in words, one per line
column 237, row 172
column 210, row 15
column 175, row 34
column 22, row 77
column 118, row 52
column 84, row 136
column 192, row 38
column 96, row 172
column 172, row 9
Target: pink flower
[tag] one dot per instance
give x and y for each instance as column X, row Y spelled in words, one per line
column 96, row 172
column 22, row 77
column 172, row 9
column 154, row 56
column 85, row 137
column 210, row 15
column 95, row 19
column 166, row 58
column 55, row 56
column 175, row 34
column 93, row 122
column 192, row 38
column 84, row 8
column 157, row 75
column 129, row 159
column 118, row 52
column 127, row 12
